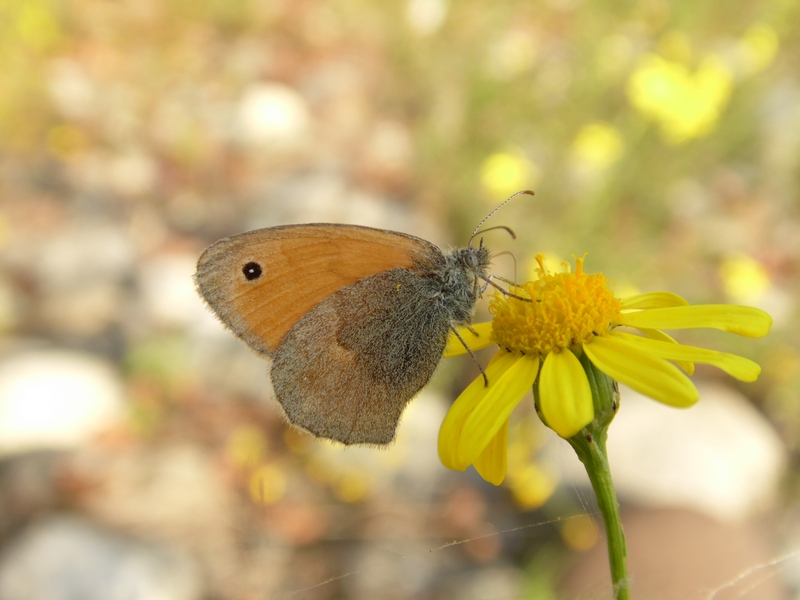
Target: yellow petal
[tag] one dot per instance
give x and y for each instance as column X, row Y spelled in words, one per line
column 453, row 424
column 657, row 334
column 652, row 300
column 564, row 394
column 743, row 320
column 741, row 368
column 497, row 356
column 475, row 342
column 491, row 464
column 649, row 375
column 502, row 396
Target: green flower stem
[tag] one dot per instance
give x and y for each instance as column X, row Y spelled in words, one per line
column 592, row 452
column 590, row 446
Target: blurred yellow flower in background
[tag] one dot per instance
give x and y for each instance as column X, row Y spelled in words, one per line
column 745, row 279
column 246, row 447
column 503, row 173
column 598, row 145
column 35, row 24
column 759, row 44
column 685, row 105
column 267, row 484
column 531, row 483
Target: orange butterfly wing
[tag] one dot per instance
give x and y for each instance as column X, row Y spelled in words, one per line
column 301, row 265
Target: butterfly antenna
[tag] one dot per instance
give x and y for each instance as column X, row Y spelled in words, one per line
column 489, row 216
column 514, row 259
column 503, row 227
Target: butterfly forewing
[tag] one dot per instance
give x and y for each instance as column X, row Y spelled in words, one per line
column 262, row 282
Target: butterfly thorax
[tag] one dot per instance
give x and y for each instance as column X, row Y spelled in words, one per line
column 460, row 280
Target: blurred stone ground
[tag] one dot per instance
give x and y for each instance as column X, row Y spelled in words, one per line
column 141, row 455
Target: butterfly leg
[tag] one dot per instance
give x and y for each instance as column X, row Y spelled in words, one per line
column 505, row 292
column 471, row 353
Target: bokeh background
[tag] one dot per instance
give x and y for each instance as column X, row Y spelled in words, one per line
column 141, row 455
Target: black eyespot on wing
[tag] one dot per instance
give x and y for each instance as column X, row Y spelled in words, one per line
column 252, row 270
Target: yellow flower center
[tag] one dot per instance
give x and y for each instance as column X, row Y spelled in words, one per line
column 568, row 309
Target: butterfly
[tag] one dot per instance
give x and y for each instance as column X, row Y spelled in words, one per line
column 353, row 319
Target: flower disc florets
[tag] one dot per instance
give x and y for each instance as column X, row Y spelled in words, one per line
column 568, row 309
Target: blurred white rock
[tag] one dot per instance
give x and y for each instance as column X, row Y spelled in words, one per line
column 272, row 114
column 389, row 148
column 325, row 195
column 495, row 581
column 64, row 557
column 80, row 272
column 720, row 457
column 80, row 253
column 426, row 16
column 71, row 89
column 133, row 171
column 56, row 399
column 168, row 291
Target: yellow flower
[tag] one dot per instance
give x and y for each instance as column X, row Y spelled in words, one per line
column 571, row 314
column 503, row 173
column 598, row 145
column 685, row 104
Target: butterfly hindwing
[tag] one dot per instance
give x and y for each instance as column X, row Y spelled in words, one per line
column 348, row 368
